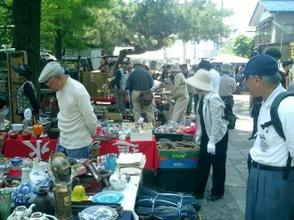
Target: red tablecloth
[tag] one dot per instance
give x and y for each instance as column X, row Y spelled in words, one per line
column 148, row 148
column 44, row 146
column 29, row 148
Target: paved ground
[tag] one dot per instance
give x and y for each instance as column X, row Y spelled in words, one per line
column 232, row 206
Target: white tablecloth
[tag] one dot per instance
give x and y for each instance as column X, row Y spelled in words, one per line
column 130, row 194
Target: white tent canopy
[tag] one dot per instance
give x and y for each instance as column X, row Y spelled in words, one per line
column 118, row 49
column 148, row 55
column 228, row 58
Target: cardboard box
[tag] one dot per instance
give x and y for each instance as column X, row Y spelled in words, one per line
column 141, row 136
column 115, row 116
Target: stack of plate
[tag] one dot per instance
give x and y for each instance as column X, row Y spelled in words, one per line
column 136, row 160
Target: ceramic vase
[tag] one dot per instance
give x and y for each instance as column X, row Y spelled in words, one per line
column 39, row 179
column 23, row 194
column 44, row 202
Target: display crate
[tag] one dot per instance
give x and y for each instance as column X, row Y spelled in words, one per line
column 182, row 163
column 178, row 158
column 173, row 137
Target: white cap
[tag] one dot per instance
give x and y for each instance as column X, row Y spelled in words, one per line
column 52, row 68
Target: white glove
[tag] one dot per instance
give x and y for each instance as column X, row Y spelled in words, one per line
column 198, row 140
column 211, row 148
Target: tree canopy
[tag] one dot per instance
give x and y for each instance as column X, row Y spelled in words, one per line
column 152, row 24
column 5, row 22
column 144, row 24
column 242, row 46
column 63, row 23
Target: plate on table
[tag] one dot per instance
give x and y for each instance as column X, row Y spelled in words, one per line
column 98, row 213
column 108, row 197
column 132, row 171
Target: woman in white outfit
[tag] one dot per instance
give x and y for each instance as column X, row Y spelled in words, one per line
column 212, row 136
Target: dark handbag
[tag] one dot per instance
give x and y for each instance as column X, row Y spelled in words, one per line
column 146, row 97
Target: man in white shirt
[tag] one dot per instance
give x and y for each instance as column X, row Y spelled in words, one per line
column 270, row 193
column 76, row 119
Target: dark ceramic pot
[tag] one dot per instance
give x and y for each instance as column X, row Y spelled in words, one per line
column 44, row 202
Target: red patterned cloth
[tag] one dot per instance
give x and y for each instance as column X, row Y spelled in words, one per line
column 45, row 146
column 149, row 148
column 29, row 148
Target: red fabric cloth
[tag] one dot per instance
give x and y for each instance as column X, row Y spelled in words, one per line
column 17, row 147
column 148, row 148
column 20, row 147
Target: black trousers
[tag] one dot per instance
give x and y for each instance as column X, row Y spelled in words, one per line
column 196, row 99
column 218, row 163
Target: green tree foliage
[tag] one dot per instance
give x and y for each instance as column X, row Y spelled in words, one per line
column 203, row 21
column 152, row 24
column 6, row 22
column 242, row 46
column 64, row 22
column 106, row 32
column 144, row 24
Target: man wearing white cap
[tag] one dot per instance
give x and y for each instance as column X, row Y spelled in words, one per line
column 212, row 135
column 76, row 119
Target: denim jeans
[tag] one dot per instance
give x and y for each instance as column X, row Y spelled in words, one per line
column 80, row 153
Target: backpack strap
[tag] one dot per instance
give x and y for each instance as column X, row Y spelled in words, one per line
column 276, row 123
column 275, row 119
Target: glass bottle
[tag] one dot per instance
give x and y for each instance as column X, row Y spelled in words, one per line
column 62, row 194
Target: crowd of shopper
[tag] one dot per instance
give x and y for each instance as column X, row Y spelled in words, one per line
column 271, row 175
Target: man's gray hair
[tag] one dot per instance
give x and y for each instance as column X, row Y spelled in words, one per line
column 272, row 80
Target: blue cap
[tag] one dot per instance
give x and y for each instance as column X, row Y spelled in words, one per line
column 261, row 65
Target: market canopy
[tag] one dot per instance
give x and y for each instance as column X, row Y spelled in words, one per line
column 148, row 55
column 228, row 58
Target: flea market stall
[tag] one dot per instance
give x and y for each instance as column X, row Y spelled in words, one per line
column 38, row 183
column 124, row 157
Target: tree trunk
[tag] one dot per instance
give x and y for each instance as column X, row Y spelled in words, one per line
column 26, row 16
column 58, row 44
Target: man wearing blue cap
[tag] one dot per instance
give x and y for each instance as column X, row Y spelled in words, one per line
column 270, row 193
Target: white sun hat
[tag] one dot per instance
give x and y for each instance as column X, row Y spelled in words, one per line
column 201, row 80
